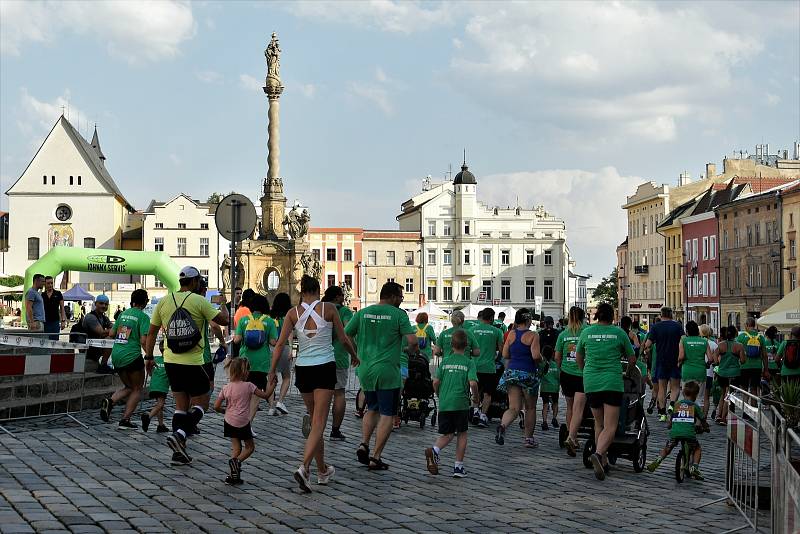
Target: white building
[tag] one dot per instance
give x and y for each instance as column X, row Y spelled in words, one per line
column 475, row 253
column 576, row 290
column 184, row 228
column 66, row 197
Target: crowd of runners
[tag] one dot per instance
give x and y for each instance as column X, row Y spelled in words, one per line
column 475, row 363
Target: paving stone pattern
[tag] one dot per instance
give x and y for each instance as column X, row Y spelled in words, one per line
column 59, row 477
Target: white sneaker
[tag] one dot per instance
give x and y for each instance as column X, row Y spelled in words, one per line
column 271, row 411
column 281, row 407
column 324, row 478
column 301, row 476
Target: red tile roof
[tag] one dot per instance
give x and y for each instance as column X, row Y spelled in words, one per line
column 759, row 184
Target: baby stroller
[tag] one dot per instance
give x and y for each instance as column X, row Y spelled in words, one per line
column 499, row 399
column 418, row 400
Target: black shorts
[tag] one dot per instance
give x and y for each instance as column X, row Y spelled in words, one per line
column 453, row 422
column 307, row 378
column 238, row 432
column 709, row 383
column 571, row 384
column 551, row 397
column 135, row 365
column 750, row 378
column 727, row 381
column 210, row 370
column 158, row 395
column 487, row 383
column 599, row 398
column 259, row 378
column 189, row 379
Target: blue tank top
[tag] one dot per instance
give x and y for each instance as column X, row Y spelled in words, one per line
column 520, row 354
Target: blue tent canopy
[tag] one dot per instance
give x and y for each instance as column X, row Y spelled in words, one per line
column 77, row 294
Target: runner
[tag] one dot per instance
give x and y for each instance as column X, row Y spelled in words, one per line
column 130, row 334
column 708, row 333
column 335, row 295
column 159, row 387
column 501, row 321
column 693, row 352
column 599, row 351
column 256, row 334
column 666, row 336
column 729, row 356
column 756, row 365
column 315, row 371
column 549, row 388
column 242, row 310
column 208, row 361
column 548, row 335
column 520, row 380
column 280, row 307
column 771, row 337
column 789, row 356
column 380, row 330
column 490, row 342
column 181, row 313
column 571, row 376
column 426, row 337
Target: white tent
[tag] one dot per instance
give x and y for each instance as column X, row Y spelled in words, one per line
column 471, row 311
column 784, row 314
column 433, row 311
column 9, row 291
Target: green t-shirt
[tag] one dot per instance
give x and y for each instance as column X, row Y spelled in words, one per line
column 342, row 356
column 694, row 367
column 772, row 351
column 447, row 335
column 566, row 344
column 469, row 324
column 500, row 325
column 729, row 365
column 752, row 341
column 201, row 311
column 381, row 330
column 488, row 338
column 454, row 374
column 426, row 338
column 130, row 326
column 158, row 380
column 785, row 371
column 261, row 358
column 603, row 347
column 550, row 380
column 684, row 417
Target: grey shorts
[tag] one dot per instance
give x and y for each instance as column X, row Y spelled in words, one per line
column 284, row 366
column 341, row 378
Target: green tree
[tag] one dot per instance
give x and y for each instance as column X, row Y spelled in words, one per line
column 12, row 281
column 214, row 198
column 606, row 290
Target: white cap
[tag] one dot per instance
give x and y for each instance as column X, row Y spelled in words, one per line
column 188, row 272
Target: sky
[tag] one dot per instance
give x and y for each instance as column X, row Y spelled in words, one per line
column 569, row 105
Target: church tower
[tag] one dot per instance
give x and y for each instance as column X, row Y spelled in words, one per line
column 465, row 186
column 273, row 201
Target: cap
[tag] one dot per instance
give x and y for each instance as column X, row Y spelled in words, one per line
column 188, row 272
column 548, row 320
column 101, row 299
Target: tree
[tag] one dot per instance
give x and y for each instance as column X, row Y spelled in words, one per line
column 12, row 281
column 606, row 290
column 216, row 198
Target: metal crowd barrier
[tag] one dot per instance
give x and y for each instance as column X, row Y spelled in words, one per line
column 785, row 487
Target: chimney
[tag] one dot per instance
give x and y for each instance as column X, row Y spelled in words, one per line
column 685, row 178
column 711, row 170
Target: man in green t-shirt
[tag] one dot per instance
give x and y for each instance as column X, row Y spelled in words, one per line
column 490, row 342
column 756, row 365
column 184, row 368
column 456, row 382
column 335, row 295
column 790, row 373
column 381, row 330
column 129, row 333
column 684, row 419
column 443, row 347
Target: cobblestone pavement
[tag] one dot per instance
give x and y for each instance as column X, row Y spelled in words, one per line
column 65, row 478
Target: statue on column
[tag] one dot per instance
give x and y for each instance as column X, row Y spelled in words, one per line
column 311, row 265
column 273, row 55
column 297, row 221
column 225, row 270
column 348, row 293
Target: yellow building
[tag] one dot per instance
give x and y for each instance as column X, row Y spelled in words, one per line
column 790, row 207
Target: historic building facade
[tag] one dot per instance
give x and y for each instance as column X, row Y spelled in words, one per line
column 790, row 210
column 392, row 256
column 339, row 252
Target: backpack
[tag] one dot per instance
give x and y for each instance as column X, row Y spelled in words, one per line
column 791, row 354
column 77, row 334
column 422, row 337
column 753, row 345
column 254, row 333
column 182, row 332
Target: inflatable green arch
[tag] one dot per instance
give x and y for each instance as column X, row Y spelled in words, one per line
column 92, row 260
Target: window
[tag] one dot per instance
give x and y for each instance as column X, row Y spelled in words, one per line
column 431, row 256
column 315, row 254
column 44, row 180
column 530, row 255
column 486, row 257
column 159, row 226
column 390, row 257
column 33, row 248
column 792, row 249
column 348, row 280
column 390, row 280
column 409, row 285
column 181, row 246
column 432, row 292
column 466, row 257
column 737, row 278
column 548, row 290
column 158, row 283
column 446, row 229
column 331, row 280
column 181, row 226
column 505, row 257
column 486, row 287
column 204, row 246
column 530, row 290
column 330, row 254
column 505, row 234
column 548, row 257
column 204, row 226
column 792, row 281
column 704, row 291
column 466, row 227
column 736, row 240
column 448, row 293
column 688, row 245
column 79, row 180
column 447, row 257
column 757, row 233
column 71, row 180
column 52, row 180
column 695, row 256
column 88, row 242
column 505, row 290
column 705, row 248
column 758, row 276
column 158, row 245
column 347, row 254
column 409, row 257
column 712, row 244
column 750, row 273
column 372, row 257
column 749, row 236
column 431, row 227
column 466, row 291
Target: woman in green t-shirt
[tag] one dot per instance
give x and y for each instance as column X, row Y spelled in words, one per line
column 729, row 356
column 426, row 337
column 571, row 377
column 771, row 335
column 692, row 352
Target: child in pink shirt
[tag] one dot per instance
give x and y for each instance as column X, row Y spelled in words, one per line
column 237, row 395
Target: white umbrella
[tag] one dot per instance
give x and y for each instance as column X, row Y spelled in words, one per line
column 17, row 290
column 784, row 314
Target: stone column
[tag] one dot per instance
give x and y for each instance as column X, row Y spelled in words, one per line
column 273, row 143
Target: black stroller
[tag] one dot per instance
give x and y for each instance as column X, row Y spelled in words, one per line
column 499, row 399
column 418, row 400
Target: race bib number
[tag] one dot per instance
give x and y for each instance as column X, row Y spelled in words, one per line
column 684, row 413
column 123, row 332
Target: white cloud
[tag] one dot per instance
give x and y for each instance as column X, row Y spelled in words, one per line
column 308, row 90
column 772, row 99
column 249, row 83
column 588, row 201
column 374, row 93
column 380, row 75
column 387, row 15
column 134, row 31
column 37, row 116
column 209, row 76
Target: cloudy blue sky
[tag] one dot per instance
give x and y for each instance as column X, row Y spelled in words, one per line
column 566, row 104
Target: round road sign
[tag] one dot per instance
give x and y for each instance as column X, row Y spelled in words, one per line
column 236, row 217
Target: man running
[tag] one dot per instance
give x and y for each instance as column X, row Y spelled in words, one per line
column 380, row 330
column 335, row 295
column 666, row 336
column 490, row 341
column 183, row 315
column 757, row 363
